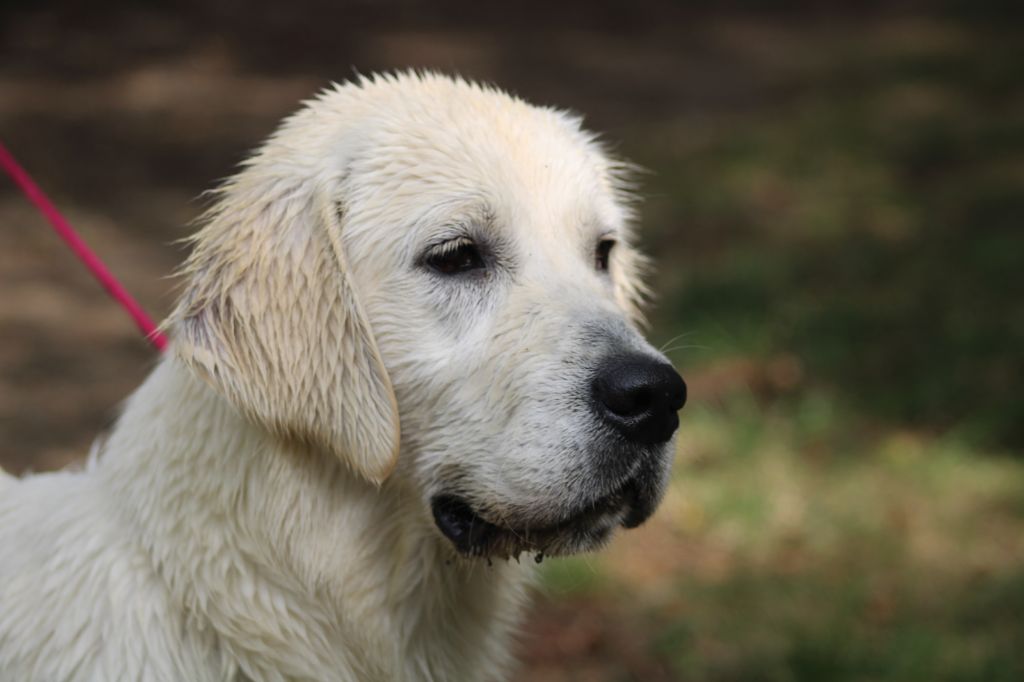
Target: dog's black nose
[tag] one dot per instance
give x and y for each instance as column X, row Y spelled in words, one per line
column 639, row 396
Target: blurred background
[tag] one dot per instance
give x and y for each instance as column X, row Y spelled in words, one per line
column 835, row 202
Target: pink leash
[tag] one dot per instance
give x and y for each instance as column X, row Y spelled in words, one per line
column 84, row 253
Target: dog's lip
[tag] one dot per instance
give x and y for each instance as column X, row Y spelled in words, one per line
column 472, row 533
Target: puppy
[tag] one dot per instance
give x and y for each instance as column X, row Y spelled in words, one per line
column 405, row 352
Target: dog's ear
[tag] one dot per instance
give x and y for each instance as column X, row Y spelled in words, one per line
column 269, row 318
column 629, row 268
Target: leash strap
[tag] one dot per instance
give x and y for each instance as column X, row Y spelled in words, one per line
column 91, row 261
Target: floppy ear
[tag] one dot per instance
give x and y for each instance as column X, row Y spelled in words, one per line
column 270, row 319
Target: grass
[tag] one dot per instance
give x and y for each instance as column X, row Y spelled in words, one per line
column 864, row 217
column 789, row 550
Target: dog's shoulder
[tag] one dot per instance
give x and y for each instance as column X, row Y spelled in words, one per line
column 79, row 599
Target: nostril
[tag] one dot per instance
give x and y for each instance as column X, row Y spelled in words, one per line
column 677, row 394
column 625, row 400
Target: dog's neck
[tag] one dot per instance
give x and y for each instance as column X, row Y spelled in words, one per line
column 302, row 569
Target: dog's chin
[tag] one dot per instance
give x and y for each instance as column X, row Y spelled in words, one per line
column 476, row 533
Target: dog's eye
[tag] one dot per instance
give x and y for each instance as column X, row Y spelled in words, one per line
column 604, row 250
column 455, row 257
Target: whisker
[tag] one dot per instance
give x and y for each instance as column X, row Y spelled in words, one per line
column 675, row 338
column 688, row 346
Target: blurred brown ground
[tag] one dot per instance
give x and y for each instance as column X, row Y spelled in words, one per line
column 125, row 114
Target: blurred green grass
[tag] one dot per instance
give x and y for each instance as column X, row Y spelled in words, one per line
column 842, row 281
column 790, row 549
column 865, row 216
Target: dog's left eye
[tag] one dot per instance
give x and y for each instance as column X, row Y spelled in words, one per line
column 601, row 255
column 455, row 257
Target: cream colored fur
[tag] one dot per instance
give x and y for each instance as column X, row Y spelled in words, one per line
column 261, row 509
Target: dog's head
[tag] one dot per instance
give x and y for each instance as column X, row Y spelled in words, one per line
column 424, row 261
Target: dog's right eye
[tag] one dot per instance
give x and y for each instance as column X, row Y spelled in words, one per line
column 455, row 257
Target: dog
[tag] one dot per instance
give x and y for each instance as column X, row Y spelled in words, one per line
column 406, row 351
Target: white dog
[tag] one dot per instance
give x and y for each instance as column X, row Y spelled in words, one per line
column 404, row 353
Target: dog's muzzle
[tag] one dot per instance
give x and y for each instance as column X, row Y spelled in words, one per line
column 635, row 398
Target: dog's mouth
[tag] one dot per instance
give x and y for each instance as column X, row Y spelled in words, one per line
column 587, row 528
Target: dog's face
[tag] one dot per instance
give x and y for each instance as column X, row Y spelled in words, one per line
column 494, row 264
column 486, row 253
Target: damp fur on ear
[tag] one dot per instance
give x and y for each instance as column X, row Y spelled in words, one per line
column 269, row 317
